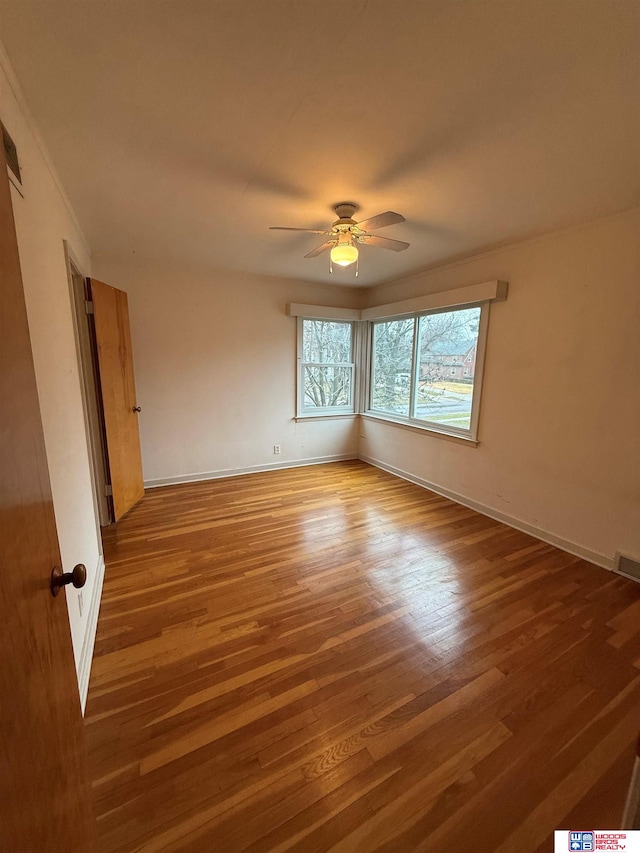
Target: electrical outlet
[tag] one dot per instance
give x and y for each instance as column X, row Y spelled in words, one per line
column 80, row 603
column 276, row 449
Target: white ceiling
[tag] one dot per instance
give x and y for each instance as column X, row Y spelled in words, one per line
column 183, row 129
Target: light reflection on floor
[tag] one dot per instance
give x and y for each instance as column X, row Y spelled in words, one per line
column 402, row 565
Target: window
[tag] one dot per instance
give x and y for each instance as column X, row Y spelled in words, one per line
column 416, row 362
column 326, row 367
column 412, row 380
column 391, row 366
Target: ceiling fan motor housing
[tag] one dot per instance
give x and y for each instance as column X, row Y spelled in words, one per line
column 345, row 209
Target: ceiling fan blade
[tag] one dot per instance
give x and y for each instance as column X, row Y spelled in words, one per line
column 306, row 230
column 383, row 242
column 319, row 249
column 381, row 220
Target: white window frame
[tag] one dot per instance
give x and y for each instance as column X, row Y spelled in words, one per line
column 326, row 411
column 481, row 295
column 421, row 423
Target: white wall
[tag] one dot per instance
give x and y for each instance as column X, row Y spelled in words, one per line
column 560, row 418
column 215, row 365
column 43, row 220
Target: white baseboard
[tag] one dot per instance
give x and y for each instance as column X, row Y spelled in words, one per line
column 86, row 655
column 510, row 521
column 252, row 469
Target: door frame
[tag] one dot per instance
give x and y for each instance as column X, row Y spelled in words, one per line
column 84, row 335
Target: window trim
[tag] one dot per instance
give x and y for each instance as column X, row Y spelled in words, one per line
column 434, row 427
column 416, row 427
column 304, row 413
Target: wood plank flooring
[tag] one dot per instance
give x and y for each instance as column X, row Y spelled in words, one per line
column 330, row 658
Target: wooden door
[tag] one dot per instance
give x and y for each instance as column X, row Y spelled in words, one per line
column 45, row 799
column 115, row 363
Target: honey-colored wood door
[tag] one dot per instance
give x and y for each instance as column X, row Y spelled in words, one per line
column 115, row 361
column 45, row 799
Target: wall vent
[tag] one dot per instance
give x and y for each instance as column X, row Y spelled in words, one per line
column 627, row 566
column 11, row 153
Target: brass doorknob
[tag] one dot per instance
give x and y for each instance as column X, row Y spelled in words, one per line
column 78, row 577
column 136, row 409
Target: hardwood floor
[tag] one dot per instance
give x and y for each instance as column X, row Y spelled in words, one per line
column 331, row 658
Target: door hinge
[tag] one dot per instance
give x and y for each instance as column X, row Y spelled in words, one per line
column 11, row 153
column 88, row 307
column 108, row 490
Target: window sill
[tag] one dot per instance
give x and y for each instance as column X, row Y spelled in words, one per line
column 436, row 433
column 323, row 417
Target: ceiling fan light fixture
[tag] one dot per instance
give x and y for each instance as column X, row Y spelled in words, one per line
column 345, row 232
column 344, row 254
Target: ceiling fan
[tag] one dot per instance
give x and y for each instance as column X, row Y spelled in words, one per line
column 345, row 233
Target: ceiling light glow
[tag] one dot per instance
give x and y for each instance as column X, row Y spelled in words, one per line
column 344, row 254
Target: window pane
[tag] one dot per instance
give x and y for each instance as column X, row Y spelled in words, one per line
column 326, row 342
column 327, row 386
column 447, row 345
column 392, row 353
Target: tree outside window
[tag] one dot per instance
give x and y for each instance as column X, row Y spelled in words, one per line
column 326, row 367
column 416, row 367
